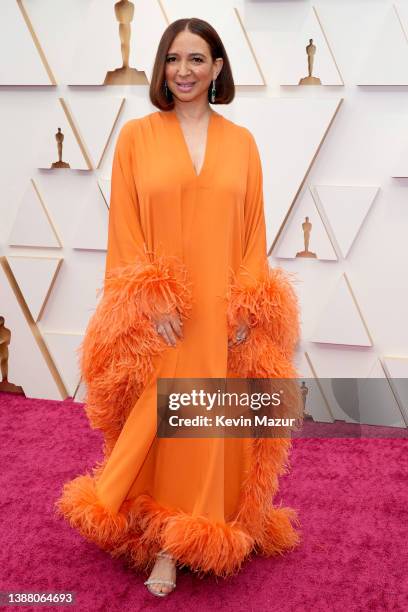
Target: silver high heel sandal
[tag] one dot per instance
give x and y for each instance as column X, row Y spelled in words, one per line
column 160, row 581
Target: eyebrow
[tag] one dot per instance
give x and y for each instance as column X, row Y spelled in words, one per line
column 198, row 53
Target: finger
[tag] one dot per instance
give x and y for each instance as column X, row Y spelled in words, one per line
column 164, row 328
column 161, row 330
column 170, row 334
column 179, row 317
column 163, row 333
column 242, row 330
column 177, row 327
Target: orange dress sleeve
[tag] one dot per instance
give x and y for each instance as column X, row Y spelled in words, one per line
column 252, row 266
column 126, row 242
column 120, row 342
column 262, row 296
column 155, row 282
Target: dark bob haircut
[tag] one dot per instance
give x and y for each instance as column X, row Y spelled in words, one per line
column 225, row 88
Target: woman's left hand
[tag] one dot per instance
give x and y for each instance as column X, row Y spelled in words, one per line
column 241, row 335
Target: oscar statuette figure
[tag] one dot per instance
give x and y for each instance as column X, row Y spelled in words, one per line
column 124, row 12
column 311, row 52
column 307, row 228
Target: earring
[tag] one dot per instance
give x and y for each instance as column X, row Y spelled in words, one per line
column 213, row 92
column 166, row 91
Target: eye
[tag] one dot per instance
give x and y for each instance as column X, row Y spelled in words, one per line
column 198, row 58
column 169, row 59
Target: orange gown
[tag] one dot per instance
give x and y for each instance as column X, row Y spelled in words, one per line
column 195, row 243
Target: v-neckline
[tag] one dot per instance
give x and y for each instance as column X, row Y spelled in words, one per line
column 187, row 150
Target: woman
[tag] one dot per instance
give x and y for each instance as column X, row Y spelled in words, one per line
column 188, row 293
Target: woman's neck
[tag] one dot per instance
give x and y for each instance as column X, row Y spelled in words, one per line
column 190, row 111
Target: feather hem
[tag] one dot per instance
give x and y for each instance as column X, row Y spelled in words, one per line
column 142, row 527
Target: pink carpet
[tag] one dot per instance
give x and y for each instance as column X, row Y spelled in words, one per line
column 351, row 495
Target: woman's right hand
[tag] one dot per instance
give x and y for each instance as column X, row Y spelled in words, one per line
column 167, row 325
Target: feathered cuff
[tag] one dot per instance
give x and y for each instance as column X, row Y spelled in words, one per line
column 148, row 288
column 116, row 354
column 268, row 303
column 270, row 308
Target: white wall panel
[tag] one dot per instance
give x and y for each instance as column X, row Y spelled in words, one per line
column 64, row 350
column 341, row 322
column 33, row 225
column 20, row 61
column 387, row 58
column 34, row 276
column 345, row 207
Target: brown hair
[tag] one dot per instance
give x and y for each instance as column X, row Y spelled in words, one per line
column 225, row 88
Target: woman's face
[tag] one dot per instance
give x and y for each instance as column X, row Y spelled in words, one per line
column 189, row 63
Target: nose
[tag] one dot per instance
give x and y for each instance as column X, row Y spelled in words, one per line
column 183, row 68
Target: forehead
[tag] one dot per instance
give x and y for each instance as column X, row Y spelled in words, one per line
column 187, row 42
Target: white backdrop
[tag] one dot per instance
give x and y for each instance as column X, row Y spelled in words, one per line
column 336, row 153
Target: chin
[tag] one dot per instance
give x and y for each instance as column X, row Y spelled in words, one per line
column 188, row 95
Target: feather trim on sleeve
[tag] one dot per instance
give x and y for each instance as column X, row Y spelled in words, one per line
column 269, row 303
column 116, row 354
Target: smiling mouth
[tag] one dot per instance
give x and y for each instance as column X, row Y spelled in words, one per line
column 185, row 84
